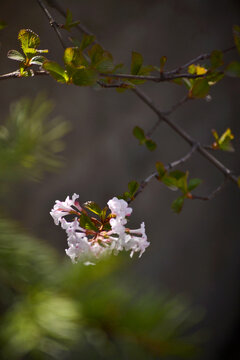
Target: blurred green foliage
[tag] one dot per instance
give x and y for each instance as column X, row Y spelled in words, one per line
column 52, row 309
column 29, row 141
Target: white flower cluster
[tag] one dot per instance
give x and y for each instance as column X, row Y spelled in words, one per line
column 111, row 235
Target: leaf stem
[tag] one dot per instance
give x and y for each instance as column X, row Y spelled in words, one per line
column 214, row 193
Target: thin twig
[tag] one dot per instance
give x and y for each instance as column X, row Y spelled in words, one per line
column 183, row 159
column 107, row 86
column 162, row 117
column 167, row 167
column 17, row 74
column 52, row 22
column 209, row 147
column 177, row 105
column 182, row 133
column 212, row 195
column 54, row 4
column 196, row 60
column 157, row 79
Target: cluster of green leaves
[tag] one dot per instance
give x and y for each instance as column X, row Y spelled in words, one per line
column 139, row 133
column 212, row 73
column 224, row 141
column 177, row 180
column 52, row 309
column 31, row 55
column 81, row 69
column 208, row 76
column 29, row 143
column 92, row 223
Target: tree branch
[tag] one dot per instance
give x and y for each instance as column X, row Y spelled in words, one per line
column 52, row 22
column 196, row 60
column 161, row 116
column 84, row 30
column 177, row 105
column 169, row 166
column 161, row 78
column 16, row 74
column 184, row 135
column 81, row 28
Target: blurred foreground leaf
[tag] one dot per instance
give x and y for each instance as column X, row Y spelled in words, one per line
column 52, row 309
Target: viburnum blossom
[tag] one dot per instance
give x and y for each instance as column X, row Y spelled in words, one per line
column 89, row 238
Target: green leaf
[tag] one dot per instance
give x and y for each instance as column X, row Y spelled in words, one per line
column 125, row 196
column 69, row 23
column 214, row 77
column 178, row 81
column 170, row 182
column 150, row 144
column 136, row 64
column 92, row 206
column 225, row 141
column 118, row 69
column 29, row 41
column 37, row 60
column 233, row 69
column 187, row 83
column 42, row 51
column 199, row 89
column 95, row 53
column 193, row 183
column 56, row 71
column 144, row 71
column 74, row 58
column 101, row 60
column 68, row 17
column 181, row 179
column 197, row 69
column 216, row 59
column 86, row 41
column 84, row 77
column 3, row 24
column 177, row 174
column 15, row 55
column 192, row 69
column 133, row 187
column 178, row 204
column 105, row 65
column 236, row 36
column 139, row 134
column 160, row 169
column 215, row 134
column 103, row 213
column 86, row 222
column 26, row 72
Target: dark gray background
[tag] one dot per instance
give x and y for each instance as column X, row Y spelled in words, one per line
column 197, row 252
